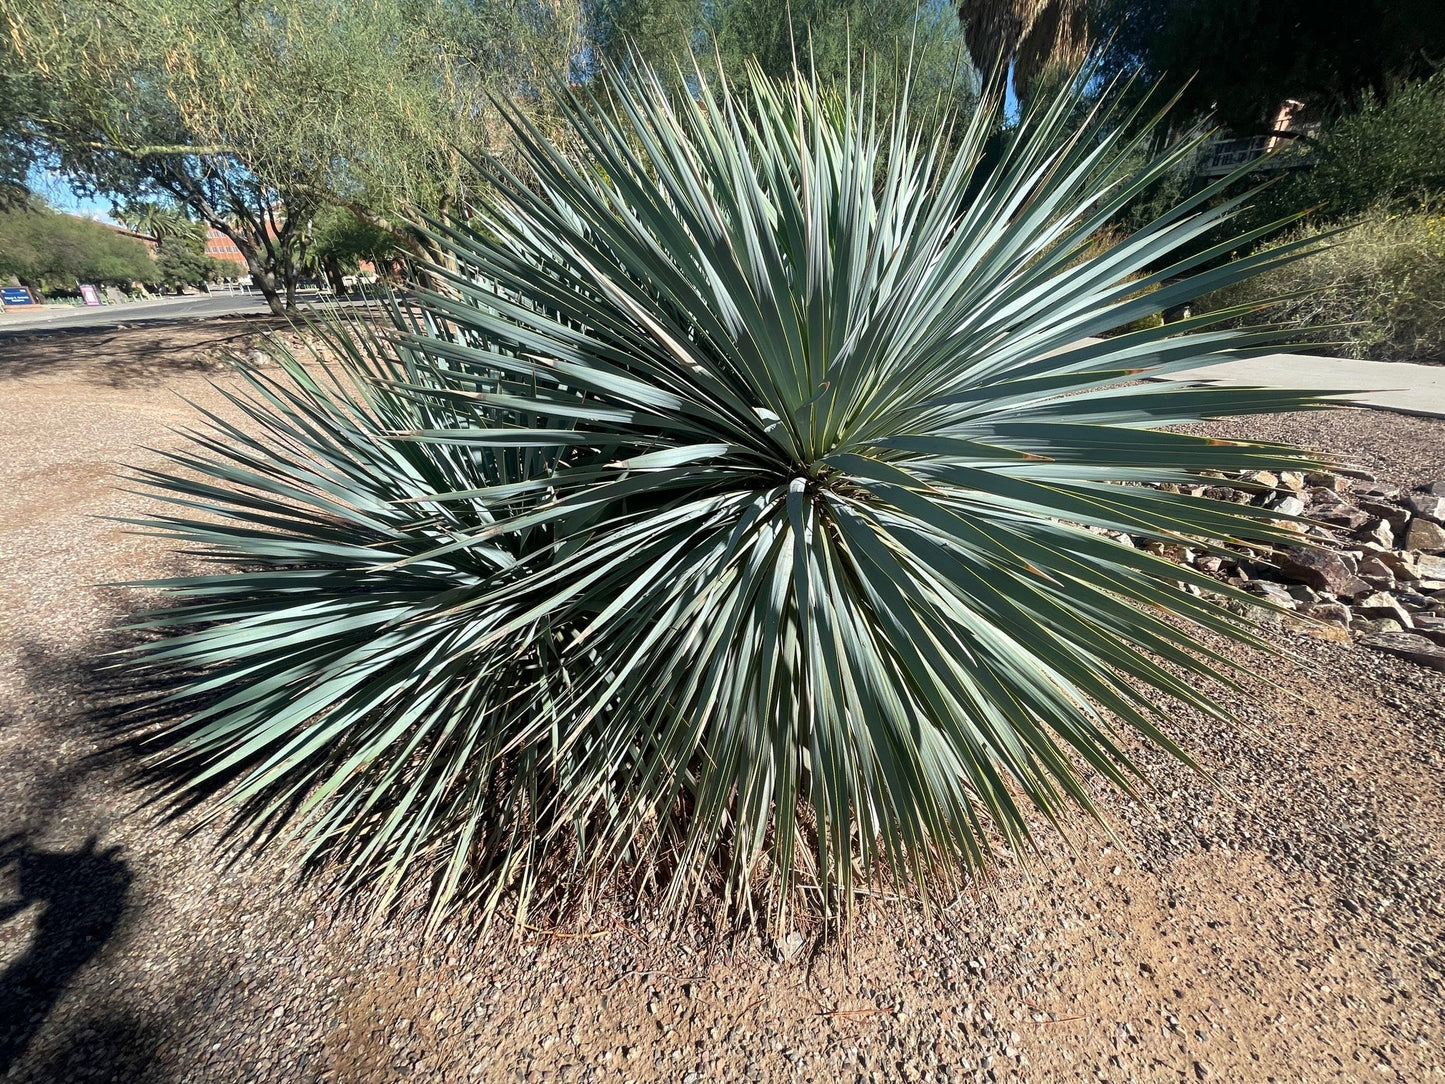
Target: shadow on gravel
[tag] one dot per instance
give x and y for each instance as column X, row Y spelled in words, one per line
column 134, row 355
column 110, row 1045
column 79, row 899
column 82, row 895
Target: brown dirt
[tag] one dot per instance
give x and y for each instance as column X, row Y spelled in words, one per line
column 1291, row 933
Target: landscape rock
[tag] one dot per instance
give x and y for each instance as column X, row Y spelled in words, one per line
column 1382, row 604
column 1427, row 506
column 1288, row 506
column 1339, row 514
column 1326, row 480
column 1432, row 627
column 1334, row 613
column 1290, row 479
column 1413, row 601
column 1382, row 534
column 1230, row 494
column 1376, row 625
column 1323, row 570
column 1273, row 592
column 1405, row 566
column 1408, row 645
column 1372, row 565
column 1267, row 479
column 1171, row 551
column 1425, row 536
column 1393, row 514
column 1374, row 491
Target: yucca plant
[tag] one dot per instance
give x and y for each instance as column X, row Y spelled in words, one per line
column 746, row 515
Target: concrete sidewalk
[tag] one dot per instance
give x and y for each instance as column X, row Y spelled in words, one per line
column 1385, row 385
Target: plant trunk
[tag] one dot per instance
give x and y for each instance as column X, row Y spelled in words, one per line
column 332, row 268
column 265, row 281
column 290, row 279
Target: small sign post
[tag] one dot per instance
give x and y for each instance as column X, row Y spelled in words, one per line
column 16, row 295
column 90, row 293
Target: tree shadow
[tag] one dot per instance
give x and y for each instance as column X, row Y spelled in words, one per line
column 136, row 354
column 83, row 896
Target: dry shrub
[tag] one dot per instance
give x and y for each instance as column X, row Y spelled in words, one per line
column 1375, row 291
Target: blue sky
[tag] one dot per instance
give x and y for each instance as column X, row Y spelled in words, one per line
column 56, row 191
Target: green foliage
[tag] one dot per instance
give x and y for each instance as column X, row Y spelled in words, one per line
column 161, row 222
column 1386, row 150
column 826, row 38
column 340, row 241
column 252, row 117
column 661, row 32
column 340, row 236
column 55, row 252
column 181, row 262
column 735, row 521
column 1375, row 292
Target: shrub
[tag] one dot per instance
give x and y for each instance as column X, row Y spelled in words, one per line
column 1388, row 151
column 1376, row 291
column 1383, row 153
column 182, row 262
column 738, row 522
column 54, row 252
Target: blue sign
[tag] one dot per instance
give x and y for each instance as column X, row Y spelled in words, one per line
column 16, row 295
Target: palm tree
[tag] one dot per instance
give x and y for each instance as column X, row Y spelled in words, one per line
column 1033, row 36
column 156, row 223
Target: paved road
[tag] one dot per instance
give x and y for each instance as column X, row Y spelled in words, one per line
column 52, row 317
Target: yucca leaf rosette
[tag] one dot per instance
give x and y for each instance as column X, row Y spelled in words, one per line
column 743, row 513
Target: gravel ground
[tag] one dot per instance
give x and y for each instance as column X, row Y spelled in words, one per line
column 1401, row 449
column 1292, row 931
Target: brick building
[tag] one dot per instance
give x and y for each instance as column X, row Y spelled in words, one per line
column 223, row 248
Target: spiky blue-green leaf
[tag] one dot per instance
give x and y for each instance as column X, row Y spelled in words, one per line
column 732, row 509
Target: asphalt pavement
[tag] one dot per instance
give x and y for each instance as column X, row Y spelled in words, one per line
column 163, row 309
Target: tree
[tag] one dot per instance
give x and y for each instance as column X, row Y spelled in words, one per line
column 181, row 262
column 157, row 222
column 254, row 117
column 826, row 38
column 660, row 32
column 1243, row 58
column 122, row 118
column 341, row 241
column 748, row 520
column 1030, row 38
column 54, row 252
